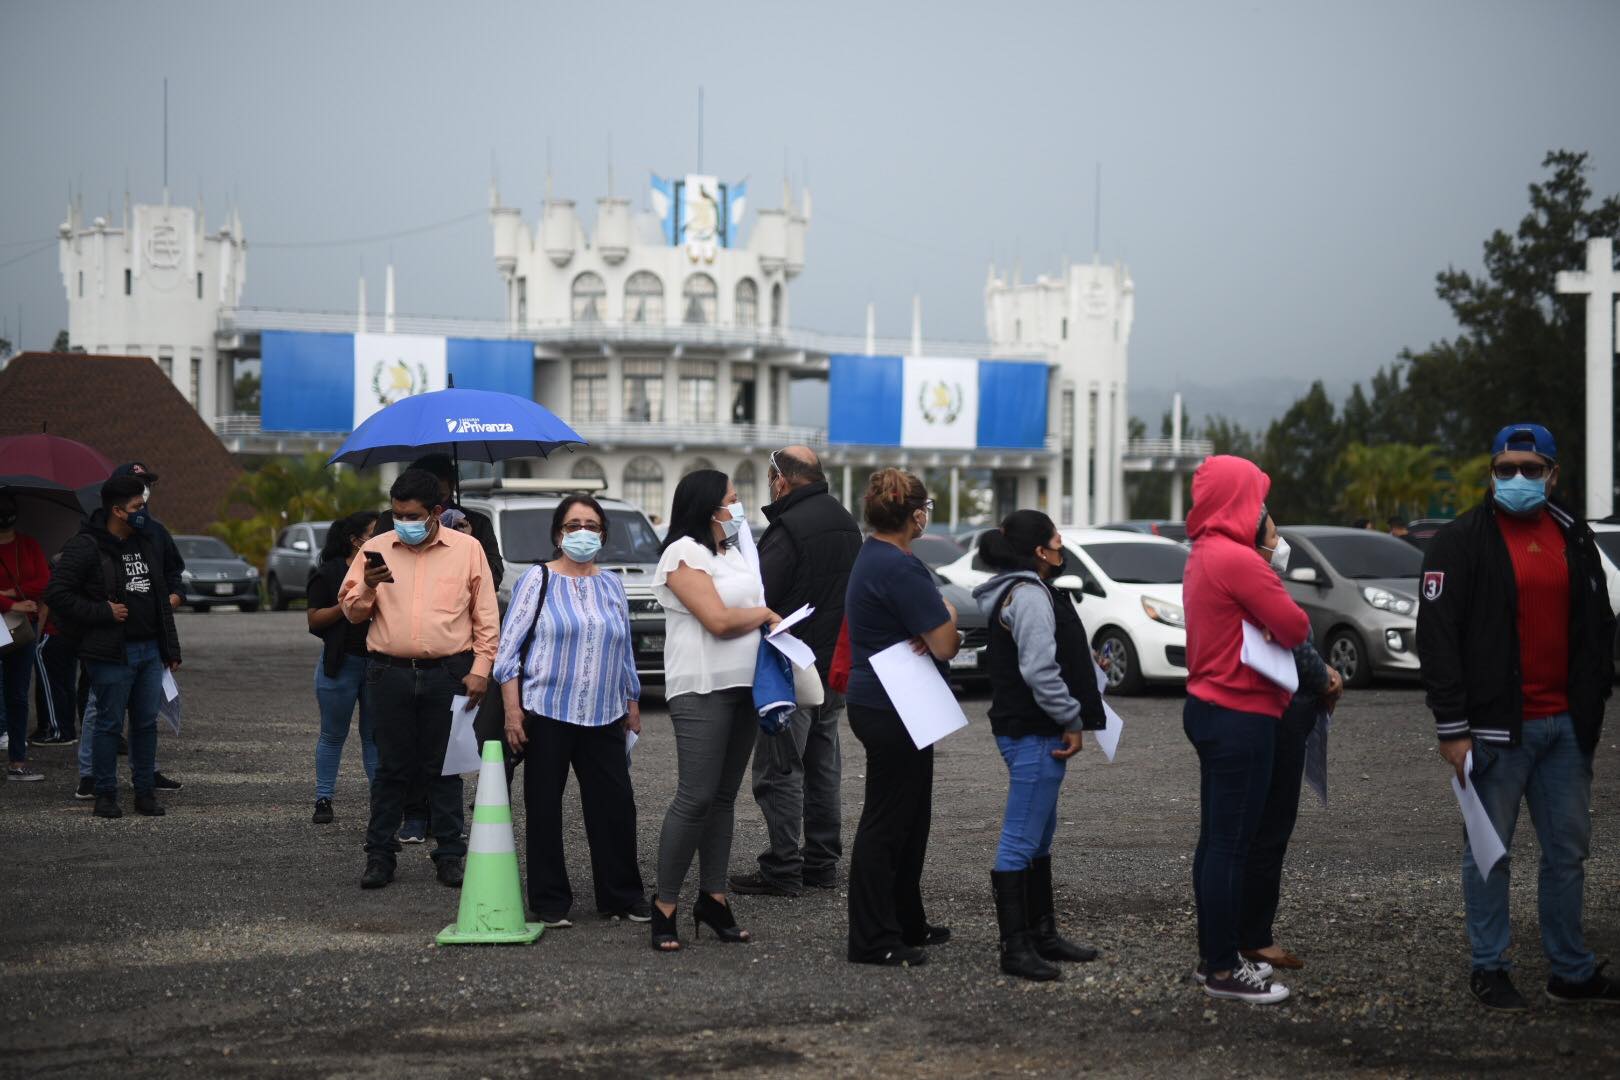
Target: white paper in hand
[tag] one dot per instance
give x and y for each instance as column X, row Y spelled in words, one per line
column 171, row 689
column 5, row 634
column 802, row 655
column 1269, row 659
column 630, row 739
column 1483, row 839
column 461, row 753
column 923, row 699
column 1108, row 737
column 790, row 621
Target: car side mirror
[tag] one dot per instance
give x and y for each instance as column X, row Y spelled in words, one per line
column 1305, row 575
column 1069, row 583
column 300, row 545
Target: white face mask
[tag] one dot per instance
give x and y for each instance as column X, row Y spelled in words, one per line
column 1280, row 554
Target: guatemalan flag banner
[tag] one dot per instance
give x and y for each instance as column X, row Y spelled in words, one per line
column 939, row 401
column 935, row 403
column 391, row 367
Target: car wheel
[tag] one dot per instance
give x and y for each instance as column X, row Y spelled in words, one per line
column 278, row 598
column 1123, row 670
column 1348, row 654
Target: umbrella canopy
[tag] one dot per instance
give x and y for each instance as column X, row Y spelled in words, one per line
column 53, row 458
column 469, row 425
column 46, row 511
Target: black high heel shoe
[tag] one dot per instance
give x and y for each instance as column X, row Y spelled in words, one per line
column 717, row 917
column 666, row 934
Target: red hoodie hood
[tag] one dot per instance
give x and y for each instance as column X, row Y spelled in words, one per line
column 1227, row 493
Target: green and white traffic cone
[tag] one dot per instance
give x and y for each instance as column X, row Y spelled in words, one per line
column 492, row 910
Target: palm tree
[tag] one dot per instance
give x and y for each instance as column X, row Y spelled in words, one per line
column 285, row 491
column 1391, row 478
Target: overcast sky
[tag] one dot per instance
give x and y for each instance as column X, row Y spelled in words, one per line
column 1283, row 179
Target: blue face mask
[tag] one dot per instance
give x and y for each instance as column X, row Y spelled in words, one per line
column 582, row 546
column 412, row 532
column 1518, row 495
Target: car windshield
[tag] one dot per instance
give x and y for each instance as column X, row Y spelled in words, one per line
column 1140, row 564
column 526, row 537
column 1610, row 543
column 202, row 547
column 1364, row 556
column 320, row 535
column 936, row 550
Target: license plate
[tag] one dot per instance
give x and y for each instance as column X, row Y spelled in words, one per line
column 224, row 589
column 652, row 642
column 964, row 660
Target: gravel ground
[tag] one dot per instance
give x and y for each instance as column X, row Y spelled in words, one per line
column 230, row 938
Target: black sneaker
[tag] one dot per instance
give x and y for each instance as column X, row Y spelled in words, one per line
column 638, row 912
column 1495, row 990
column 54, row 740
column 165, row 783
column 323, row 812
column 87, row 788
column 378, row 874
column 1245, row 983
column 1599, row 989
column 829, row 880
column 148, row 806
column 449, row 872
column 760, row 885
column 107, row 806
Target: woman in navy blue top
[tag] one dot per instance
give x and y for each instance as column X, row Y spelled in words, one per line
column 892, row 599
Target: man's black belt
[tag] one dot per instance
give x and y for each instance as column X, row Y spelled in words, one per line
column 419, row 663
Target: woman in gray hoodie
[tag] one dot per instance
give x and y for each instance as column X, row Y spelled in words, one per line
column 1043, row 694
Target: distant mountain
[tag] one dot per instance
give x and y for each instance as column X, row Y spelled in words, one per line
column 1253, row 402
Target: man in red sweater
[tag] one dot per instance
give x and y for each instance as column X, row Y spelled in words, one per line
column 1232, row 710
column 23, row 577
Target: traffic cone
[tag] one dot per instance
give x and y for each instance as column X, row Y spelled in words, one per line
column 491, row 896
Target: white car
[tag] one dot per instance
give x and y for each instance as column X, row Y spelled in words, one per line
column 1127, row 589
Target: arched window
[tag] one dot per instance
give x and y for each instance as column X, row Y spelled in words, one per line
column 743, row 481
column 644, row 485
column 588, row 469
column 695, row 464
column 590, row 297
column 699, row 297
column 747, row 303
column 776, row 306
column 644, row 299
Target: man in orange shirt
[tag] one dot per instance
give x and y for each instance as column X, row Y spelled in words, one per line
column 429, row 595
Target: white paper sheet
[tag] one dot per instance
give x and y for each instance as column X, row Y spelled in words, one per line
column 630, row 740
column 1483, row 839
column 5, row 634
column 802, row 655
column 1268, row 658
column 461, row 753
column 1108, row 737
column 1316, row 753
column 923, row 699
column 790, row 621
column 171, row 689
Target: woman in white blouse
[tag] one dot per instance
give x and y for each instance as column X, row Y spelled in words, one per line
column 714, row 605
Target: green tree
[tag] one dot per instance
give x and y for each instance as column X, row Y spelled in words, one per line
column 246, row 397
column 1300, row 453
column 284, row 491
column 61, row 342
column 1391, row 478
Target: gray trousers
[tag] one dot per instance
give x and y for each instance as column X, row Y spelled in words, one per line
column 796, row 781
column 714, row 734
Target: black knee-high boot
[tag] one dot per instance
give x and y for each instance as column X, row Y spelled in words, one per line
column 1018, row 955
column 1043, row 923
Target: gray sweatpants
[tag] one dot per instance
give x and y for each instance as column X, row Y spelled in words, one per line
column 714, row 734
column 796, row 778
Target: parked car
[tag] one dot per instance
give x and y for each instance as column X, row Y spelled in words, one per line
column 1421, row 531
column 1127, row 589
column 295, row 556
column 1360, row 589
column 521, row 513
column 973, row 628
column 1170, row 530
column 215, row 575
column 936, row 550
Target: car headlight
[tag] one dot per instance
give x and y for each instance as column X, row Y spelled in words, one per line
column 253, row 572
column 1162, row 611
column 1393, row 602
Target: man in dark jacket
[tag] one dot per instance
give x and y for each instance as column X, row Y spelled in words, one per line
column 483, row 529
column 804, row 557
column 1514, row 633
column 108, row 592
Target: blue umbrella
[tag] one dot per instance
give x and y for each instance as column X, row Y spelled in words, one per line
column 469, row 425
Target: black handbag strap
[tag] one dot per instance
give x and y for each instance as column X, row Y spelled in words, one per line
column 528, row 637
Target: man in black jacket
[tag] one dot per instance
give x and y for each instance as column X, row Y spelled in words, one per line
column 108, row 592
column 1515, row 636
column 804, row 557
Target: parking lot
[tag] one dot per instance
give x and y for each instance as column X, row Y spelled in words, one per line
column 230, row 937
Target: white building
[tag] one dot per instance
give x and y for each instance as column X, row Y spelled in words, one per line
column 155, row 286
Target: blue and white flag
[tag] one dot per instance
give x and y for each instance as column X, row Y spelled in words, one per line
column 738, row 197
column 934, row 403
column 661, row 197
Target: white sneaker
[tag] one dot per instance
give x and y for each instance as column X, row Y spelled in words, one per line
column 1201, row 976
column 1245, row 983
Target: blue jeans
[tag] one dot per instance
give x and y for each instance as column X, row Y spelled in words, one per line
column 137, row 686
column 1034, row 778
column 1549, row 769
column 87, row 730
column 337, row 697
column 1234, row 775
column 16, row 672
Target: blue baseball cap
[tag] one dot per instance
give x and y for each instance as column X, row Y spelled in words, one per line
column 1531, row 437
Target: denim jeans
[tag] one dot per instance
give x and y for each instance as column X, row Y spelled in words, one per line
column 337, row 697
column 136, row 685
column 16, row 671
column 1549, row 769
column 1034, row 778
column 1262, row 878
column 1234, row 775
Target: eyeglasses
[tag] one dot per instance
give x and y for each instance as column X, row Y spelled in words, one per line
column 775, row 468
column 1530, row 470
column 928, row 505
column 581, row 526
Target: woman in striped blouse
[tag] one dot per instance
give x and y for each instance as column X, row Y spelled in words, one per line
column 570, row 691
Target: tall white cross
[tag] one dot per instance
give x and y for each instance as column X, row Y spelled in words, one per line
column 1600, row 284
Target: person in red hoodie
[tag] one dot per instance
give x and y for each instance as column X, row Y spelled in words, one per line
column 23, row 577
column 1232, row 710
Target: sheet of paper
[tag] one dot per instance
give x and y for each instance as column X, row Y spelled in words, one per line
column 1316, row 748
column 923, row 699
column 171, row 689
column 461, row 753
column 630, row 740
column 169, row 713
column 5, row 633
column 1483, row 839
column 1108, row 737
column 802, row 655
column 790, row 621
column 1268, row 658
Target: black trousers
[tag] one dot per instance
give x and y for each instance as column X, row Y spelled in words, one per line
column 411, row 710
column 1262, row 875
column 59, row 659
column 891, row 841
column 607, row 802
